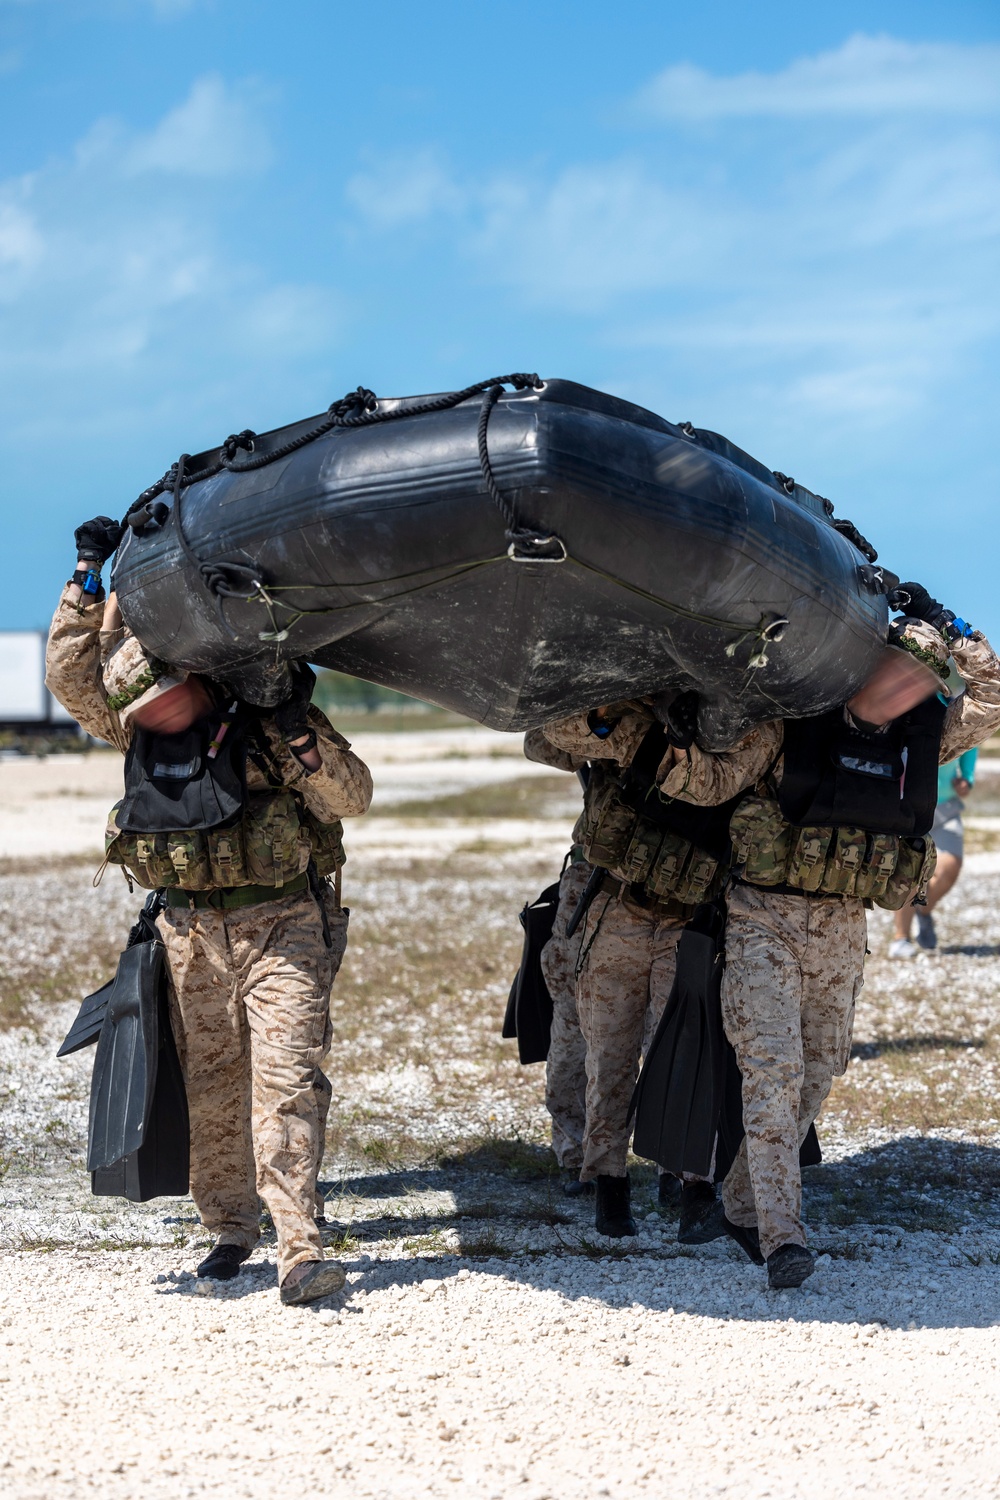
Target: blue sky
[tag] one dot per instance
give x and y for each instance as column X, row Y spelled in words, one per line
column 779, row 221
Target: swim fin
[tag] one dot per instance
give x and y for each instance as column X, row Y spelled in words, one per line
column 159, row 1167
column 121, row 1091
column 529, row 1005
column 86, row 1029
column 810, row 1152
column 139, row 1138
column 679, row 1092
column 90, row 1018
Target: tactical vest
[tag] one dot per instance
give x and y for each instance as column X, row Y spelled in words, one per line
column 852, row 811
column 669, row 849
column 188, row 821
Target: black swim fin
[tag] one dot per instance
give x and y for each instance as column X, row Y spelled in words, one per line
column 86, row 1029
column 529, row 1005
column 810, row 1152
column 159, row 1167
column 90, row 1018
column 679, row 1092
column 121, row 1091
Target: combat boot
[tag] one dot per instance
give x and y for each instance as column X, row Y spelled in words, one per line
column 572, row 1186
column 715, row 1224
column 788, row 1266
column 311, row 1281
column 222, row 1263
column 668, row 1190
column 697, row 1226
column 613, row 1214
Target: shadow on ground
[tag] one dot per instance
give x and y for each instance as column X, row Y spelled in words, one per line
column 932, row 1042
column 876, row 1217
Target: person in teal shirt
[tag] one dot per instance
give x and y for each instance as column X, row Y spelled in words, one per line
column 955, row 782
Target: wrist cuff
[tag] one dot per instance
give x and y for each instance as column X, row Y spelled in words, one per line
column 308, row 743
column 88, row 579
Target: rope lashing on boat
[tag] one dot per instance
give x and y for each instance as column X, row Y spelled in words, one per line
column 524, row 544
column 359, row 408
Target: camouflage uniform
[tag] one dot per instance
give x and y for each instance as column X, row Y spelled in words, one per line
column 626, row 971
column 629, row 959
column 565, row 1066
column 794, row 968
column 250, row 987
column 250, row 1004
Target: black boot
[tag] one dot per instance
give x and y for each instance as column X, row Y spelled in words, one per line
column 668, row 1190
column 223, row 1263
column 697, row 1203
column 715, row 1225
column 613, row 1211
column 572, row 1186
column 788, row 1266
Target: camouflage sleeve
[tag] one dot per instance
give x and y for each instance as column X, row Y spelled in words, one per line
column 540, row 749
column 341, row 788
column 575, row 736
column 974, row 716
column 73, row 662
column 710, row 777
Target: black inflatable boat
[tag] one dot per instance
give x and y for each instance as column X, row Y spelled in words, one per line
column 512, row 555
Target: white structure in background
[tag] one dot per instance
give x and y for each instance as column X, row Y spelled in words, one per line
column 25, row 701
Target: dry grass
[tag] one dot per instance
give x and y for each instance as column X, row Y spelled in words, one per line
column 927, row 1033
column 528, row 797
column 420, row 1072
column 59, row 938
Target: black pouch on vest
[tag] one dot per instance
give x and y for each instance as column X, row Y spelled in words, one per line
column 172, row 785
column 836, row 777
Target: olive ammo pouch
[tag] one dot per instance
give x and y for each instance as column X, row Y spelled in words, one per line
column 270, row 842
column 884, row 868
column 643, row 853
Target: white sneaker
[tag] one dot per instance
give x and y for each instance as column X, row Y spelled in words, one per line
column 902, row 948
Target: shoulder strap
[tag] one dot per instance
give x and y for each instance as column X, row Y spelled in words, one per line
column 258, row 748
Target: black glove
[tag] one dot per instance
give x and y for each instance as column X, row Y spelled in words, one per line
column 682, row 720
column 290, row 714
column 96, row 540
column 920, row 606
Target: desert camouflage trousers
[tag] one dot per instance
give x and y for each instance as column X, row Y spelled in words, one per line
column 794, row 967
column 628, row 960
column 250, row 1008
column 565, row 1068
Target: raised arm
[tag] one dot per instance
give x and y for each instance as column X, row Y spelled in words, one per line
column 538, row 747
column 614, row 732
column 312, row 757
column 75, row 653
column 974, row 716
column 710, row 777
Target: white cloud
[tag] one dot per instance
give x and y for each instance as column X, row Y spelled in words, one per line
column 404, row 189
column 867, row 76
column 849, row 274
column 119, row 294
column 20, row 241
column 213, row 133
